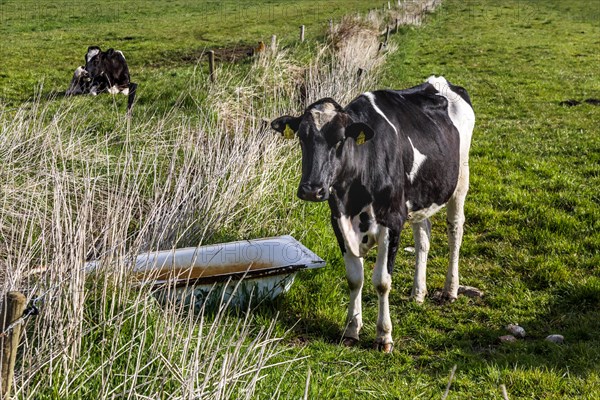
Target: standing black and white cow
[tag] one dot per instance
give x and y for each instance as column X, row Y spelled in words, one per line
column 388, row 157
column 104, row 71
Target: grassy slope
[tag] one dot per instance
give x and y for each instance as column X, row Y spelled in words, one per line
column 532, row 235
column 532, row 238
column 46, row 42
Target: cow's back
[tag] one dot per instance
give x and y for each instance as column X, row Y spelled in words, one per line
column 420, row 141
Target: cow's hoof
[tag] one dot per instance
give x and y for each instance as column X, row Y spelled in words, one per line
column 442, row 297
column 349, row 341
column 384, row 347
column 418, row 298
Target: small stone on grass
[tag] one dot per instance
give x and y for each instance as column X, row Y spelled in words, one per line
column 507, row 339
column 558, row 339
column 470, row 291
column 516, row 330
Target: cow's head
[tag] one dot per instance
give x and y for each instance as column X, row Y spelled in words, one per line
column 94, row 60
column 326, row 133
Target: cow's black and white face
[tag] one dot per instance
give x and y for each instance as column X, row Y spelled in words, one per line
column 93, row 61
column 323, row 131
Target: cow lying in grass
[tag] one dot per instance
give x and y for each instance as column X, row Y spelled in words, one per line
column 104, row 71
column 388, row 157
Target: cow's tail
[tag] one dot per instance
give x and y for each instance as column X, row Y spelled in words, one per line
column 131, row 98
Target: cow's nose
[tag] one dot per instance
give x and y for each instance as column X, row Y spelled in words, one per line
column 312, row 192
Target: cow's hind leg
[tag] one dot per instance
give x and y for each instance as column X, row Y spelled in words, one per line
column 421, row 233
column 455, row 220
column 355, row 277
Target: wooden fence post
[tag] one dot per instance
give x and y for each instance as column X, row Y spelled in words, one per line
column 301, row 33
column 273, row 44
column 211, row 65
column 14, row 304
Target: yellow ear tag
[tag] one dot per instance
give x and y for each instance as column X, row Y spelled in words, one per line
column 360, row 139
column 288, row 132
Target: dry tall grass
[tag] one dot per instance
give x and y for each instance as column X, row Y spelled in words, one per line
column 69, row 195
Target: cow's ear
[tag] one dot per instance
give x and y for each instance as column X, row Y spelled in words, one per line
column 286, row 125
column 110, row 52
column 359, row 132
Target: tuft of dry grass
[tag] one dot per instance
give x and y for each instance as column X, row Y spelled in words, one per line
column 74, row 189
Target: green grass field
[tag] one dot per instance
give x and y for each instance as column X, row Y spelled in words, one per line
column 532, row 238
column 532, row 234
column 43, row 43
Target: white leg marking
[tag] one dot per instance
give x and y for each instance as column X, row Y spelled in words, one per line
column 355, row 277
column 383, row 283
column 371, row 98
column 113, row 90
column 421, row 234
column 418, row 160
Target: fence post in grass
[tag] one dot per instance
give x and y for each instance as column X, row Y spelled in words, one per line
column 389, row 5
column 14, row 304
column 301, row 33
column 387, row 35
column 211, row 65
column 273, row 44
column 330, row 26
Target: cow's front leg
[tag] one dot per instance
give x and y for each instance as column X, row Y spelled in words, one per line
column 355, row 277
column 387, row 246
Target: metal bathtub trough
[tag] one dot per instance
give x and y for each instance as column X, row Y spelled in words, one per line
column 230, row 272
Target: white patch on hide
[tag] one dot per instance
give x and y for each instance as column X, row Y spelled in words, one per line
column 91, row 54
column 371, row 98
column 418, row 160
column 424, row 213
column 323, row 116
column 353, row 237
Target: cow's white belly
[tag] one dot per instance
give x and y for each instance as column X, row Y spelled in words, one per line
column 415, row 216
column 359, row 236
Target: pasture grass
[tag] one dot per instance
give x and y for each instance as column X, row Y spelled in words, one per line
column 532, row 239
column 162, row 41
